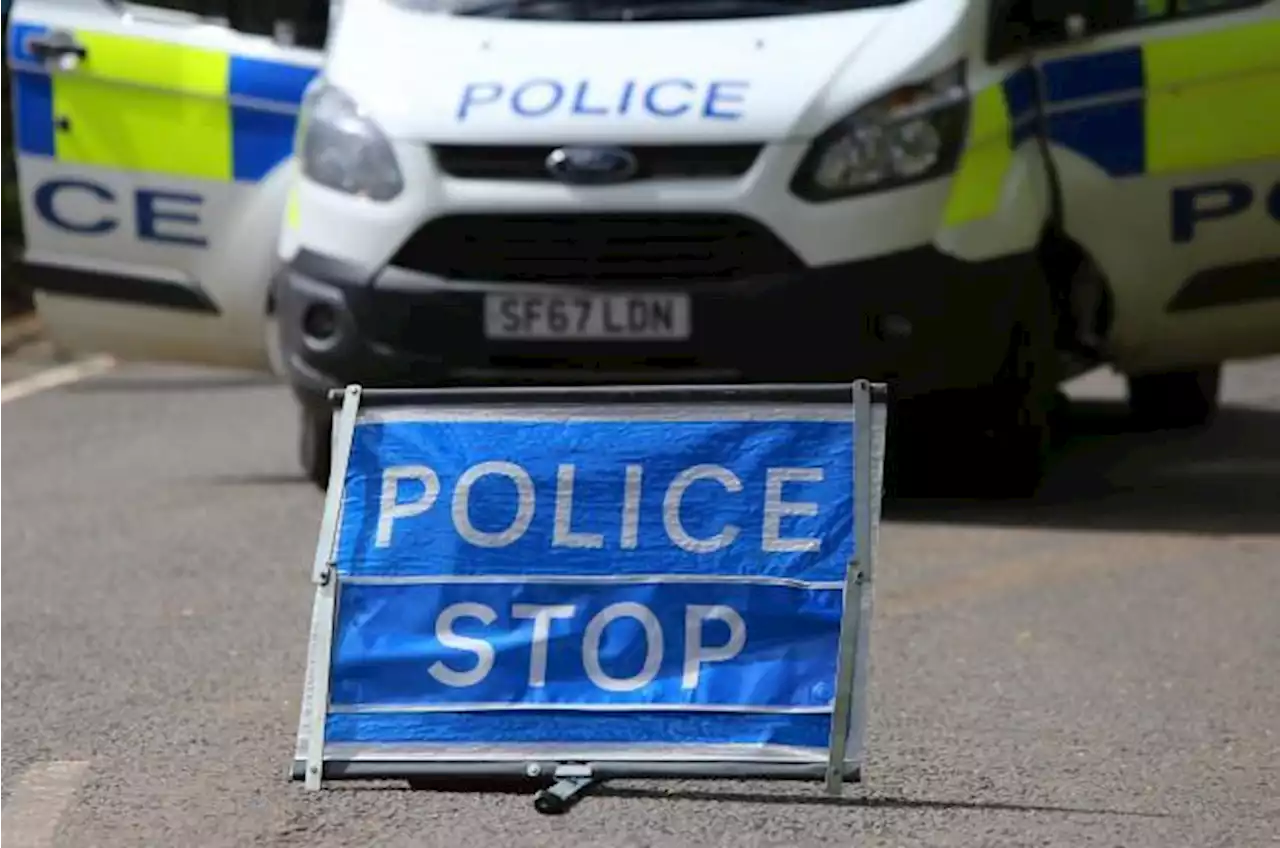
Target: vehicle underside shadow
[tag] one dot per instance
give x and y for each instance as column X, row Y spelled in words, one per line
column 1108, row 475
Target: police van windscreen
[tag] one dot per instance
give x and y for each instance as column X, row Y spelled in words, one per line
column 635, row 10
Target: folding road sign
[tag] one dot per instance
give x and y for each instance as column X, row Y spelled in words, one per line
column 574, row 585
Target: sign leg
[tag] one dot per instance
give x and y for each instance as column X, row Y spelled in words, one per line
column 562, row 795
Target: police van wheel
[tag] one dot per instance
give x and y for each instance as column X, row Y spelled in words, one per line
column 991, row 444
column 1015, row 445
column 1004, row 450
column 315, row 446
column 1175, row 399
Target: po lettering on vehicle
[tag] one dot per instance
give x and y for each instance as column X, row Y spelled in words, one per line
column 86, row 208
column 663, row 98
column 1193, row 207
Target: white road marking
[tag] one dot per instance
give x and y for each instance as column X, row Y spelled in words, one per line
column 54, row 377
column 36, row 806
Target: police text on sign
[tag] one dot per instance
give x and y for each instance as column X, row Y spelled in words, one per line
column 525, row 499
column 600, row 498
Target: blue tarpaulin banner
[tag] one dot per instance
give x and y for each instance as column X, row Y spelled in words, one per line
column 661, row 582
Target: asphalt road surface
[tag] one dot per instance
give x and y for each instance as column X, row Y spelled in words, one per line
column 1100, row 667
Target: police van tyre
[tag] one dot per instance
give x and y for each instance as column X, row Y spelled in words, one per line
column 1004, row 453
column 315, row 444
column 1175, row 399
column 990, row 443
column 1015, row 448
column 1027, row 404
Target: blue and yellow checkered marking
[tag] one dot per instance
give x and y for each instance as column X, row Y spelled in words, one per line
column 261, row 137
column 1080, row 117
column 142, row 105
column 1174, row 104
column 1109, row 133
column 1020, row 99
column 32, row 95
column 1193, row 102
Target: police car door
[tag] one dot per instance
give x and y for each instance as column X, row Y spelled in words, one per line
column 152, row 145
column 1163, row 122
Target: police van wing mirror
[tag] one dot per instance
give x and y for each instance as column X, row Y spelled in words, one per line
column 1057, row 21
column 1075, row 26
column 1020, row 25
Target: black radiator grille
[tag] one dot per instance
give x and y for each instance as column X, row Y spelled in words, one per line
column 603, row 248
column 702, row 161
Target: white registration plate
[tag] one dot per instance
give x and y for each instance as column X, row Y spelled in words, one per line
column 587, row 317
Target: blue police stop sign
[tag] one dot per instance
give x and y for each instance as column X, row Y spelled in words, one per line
column 647, row 581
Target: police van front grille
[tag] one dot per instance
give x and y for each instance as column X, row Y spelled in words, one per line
column 701, row 161
column 603, row 248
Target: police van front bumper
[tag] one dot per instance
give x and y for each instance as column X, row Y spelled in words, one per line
column 920, row 320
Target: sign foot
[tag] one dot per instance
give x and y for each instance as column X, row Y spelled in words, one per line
column 562, row 795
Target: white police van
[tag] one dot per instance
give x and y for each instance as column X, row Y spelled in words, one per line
column 970, row 199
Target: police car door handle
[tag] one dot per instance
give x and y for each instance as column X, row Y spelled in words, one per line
column 59, row 47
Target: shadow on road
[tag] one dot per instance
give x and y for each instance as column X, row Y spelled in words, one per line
column 610, row 790
column 865, row 802
column 264, row 479
column 1223, row 479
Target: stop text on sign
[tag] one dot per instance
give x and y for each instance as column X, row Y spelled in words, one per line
column 481, row 650
column 397, row 504
column 559, row 641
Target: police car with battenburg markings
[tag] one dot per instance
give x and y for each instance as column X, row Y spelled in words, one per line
column 970, row 199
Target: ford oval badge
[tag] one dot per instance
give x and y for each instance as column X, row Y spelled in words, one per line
column 591, row 165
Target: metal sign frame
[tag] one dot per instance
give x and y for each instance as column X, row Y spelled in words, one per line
column 846, row 746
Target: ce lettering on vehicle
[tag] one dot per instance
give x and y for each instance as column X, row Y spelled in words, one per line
column 158, row 214
column 664, row 98
column 1192, row 207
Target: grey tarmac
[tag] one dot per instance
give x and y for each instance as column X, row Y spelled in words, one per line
column 1098, row 667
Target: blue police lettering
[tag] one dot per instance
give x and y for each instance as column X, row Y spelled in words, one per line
column 47, row 193
column 478, row 94
column 667, row 98
column 393, row 508
column 580, row 106
column 697, row 649
column 546, row 96
column 624, row 102
column 1190, row 206
column 156, row 207
column 680, row 104
column 159, row 215
column 721, row 94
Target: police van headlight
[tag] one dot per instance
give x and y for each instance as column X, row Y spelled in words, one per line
column 342, row 149
column 912, row 134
